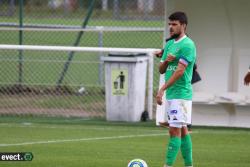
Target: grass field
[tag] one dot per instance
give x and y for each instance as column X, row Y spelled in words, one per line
column 60, row 142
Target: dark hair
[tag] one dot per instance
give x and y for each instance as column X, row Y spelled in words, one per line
column 180, row 16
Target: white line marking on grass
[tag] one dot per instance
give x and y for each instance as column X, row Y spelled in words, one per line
column 82, row 139
column 22, row 125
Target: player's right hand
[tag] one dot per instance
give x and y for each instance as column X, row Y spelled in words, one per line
column 170, row 58
column 159, row 97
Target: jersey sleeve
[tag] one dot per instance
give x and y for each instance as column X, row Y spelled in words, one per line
column 164, row 55
column 187, row 54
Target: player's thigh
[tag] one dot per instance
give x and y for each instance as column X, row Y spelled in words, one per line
column 179, row 112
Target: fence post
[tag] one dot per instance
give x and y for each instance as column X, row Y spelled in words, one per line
column 150, row 84
column 76, row 43
column 20, row 66
column 100, row 44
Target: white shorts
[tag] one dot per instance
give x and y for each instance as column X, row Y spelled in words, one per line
column 179, row 112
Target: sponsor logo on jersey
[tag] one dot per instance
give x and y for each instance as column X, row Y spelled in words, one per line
column 171, row 68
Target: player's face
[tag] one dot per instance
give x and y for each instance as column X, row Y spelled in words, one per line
column 175, row 28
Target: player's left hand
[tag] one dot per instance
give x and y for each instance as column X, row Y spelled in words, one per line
column 158, row 53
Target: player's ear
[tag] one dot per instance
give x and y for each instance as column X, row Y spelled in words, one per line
column 184, row 26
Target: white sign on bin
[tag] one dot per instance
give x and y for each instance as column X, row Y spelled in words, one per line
column 119, row 81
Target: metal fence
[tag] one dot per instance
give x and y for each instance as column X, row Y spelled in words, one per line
column 48, row 83
column 41, row 14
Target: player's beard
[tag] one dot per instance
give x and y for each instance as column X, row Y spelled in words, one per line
column 174, row 36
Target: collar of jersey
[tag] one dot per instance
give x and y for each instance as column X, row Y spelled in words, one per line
column 180, row 39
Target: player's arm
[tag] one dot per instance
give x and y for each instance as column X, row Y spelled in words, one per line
column 247, row 77
column 164, row 64
column 159, row 53
column 176, row 75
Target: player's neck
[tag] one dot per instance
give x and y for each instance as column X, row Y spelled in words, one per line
column 180, row 37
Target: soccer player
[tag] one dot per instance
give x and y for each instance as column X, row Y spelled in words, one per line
column 247, row 77
column 195, row 78
column 177, row 63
